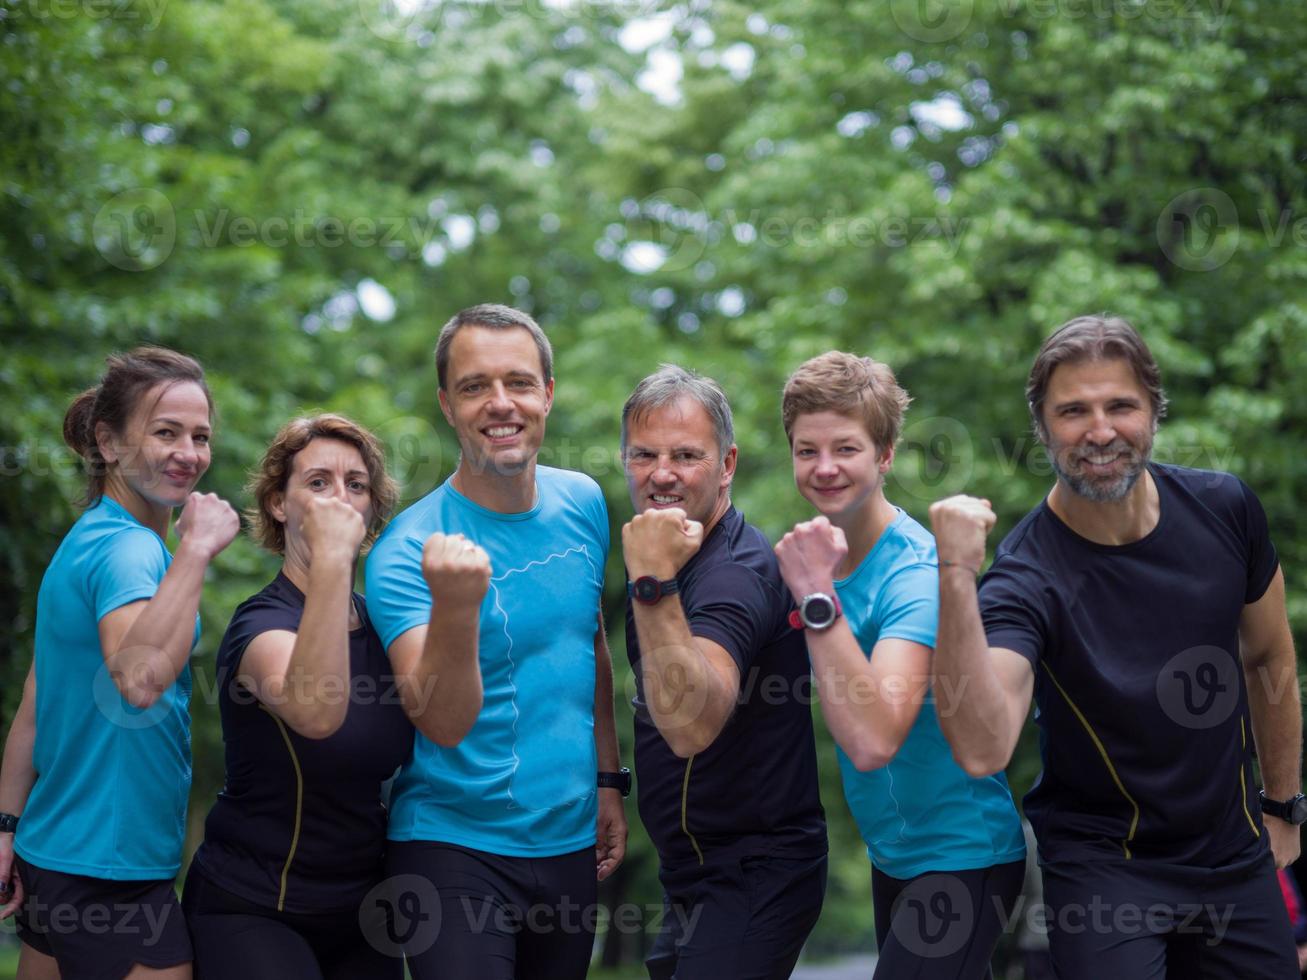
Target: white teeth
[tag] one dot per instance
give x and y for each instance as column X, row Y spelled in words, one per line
column 498, row 432
column 662, row 498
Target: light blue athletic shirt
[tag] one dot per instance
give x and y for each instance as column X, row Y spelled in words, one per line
column 112, row 780
column 522, row 781
column 921, row 812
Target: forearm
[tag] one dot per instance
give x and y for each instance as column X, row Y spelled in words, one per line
column 607, row 751
column 971, row 704
column 687, row 699
column 869, row 715
column 157, row 646
column 17, row 772
column 314, row 690
column 1273, row 702
column 442, row 694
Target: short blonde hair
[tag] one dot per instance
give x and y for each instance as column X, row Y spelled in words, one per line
column 273, row 475
column 859, row 387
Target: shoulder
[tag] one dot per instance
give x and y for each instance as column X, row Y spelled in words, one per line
column 741, row 561
column 414, row 523
column 1217, row 491
column 274, row 607
column 571, row 484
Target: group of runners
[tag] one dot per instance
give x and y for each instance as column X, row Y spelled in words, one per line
column 1140, row 605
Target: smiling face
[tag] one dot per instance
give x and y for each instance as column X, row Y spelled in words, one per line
column 673, row 460
column 322, row 469
column 163, row 451
column 1098, row 428
column 497, row 400
column 837, row 467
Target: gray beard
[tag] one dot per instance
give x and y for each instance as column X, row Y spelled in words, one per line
column 1098, row 491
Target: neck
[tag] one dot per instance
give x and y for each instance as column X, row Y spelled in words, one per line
column 862, row 529
column 296, row 568
column 1112, row 522
column 152, row 515
column 723, row 505
column 511, row 493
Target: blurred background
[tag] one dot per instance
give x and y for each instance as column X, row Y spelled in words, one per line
column 300, row 192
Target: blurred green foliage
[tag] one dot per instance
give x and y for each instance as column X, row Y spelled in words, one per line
column 258, row 182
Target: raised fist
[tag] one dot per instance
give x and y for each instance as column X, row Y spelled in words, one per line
column 208, row 523
column 332, row 529
column 961, row 524
column 809, row 556
column 660, row 542
column 457, row 571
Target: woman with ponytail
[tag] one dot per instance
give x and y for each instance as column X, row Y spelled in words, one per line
column 97, row 766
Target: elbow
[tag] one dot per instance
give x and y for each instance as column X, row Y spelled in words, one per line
column 686, row 744
column 868, row 754
column 979, row 765
column 139, row 696
column 319, row 725
column 448, row 732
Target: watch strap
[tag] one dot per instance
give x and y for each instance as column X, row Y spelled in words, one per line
column 620, row 781
column 8, row 823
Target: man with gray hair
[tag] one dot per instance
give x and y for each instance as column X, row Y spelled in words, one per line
column 724, row 750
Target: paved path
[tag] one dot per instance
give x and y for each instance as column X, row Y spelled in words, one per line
column 853, row 968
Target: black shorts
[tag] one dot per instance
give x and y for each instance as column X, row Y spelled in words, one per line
column 460, row 913
column 97, row 929
column 745, row 919
column 236, row 939
column 1147, row 921
column 942, row 924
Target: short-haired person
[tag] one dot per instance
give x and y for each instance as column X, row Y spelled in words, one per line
column 1143, row 606
column 98, row 761
column 312, row 727
column 486, row 593
column 947, row 853
column 724, row 747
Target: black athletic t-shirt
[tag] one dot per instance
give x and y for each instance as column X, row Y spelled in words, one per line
column 754, row 790
column 299, row 825
column 1139, row 688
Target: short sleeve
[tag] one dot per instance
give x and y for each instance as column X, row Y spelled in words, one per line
column 398, row 598
column 261, row 614
column 599, row 512
column 1012, row 616
column 909, row 605
column 1262, row 558
column 128, row 566
column 735, row 609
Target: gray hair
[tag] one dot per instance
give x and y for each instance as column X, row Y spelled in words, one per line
column 672, row 382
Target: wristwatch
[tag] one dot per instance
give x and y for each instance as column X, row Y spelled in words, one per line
column 1292, row 810
column 620, row 780
column 817, row 612
column 8, row 823
column 648, row 590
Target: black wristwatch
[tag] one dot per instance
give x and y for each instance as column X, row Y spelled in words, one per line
column 647, row 590
column 1293, row 810
column 620, row 781
column 816, row 612
column 8, row 823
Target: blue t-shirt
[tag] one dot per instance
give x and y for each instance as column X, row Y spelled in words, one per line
column 1140, row 695
column 921, row 812
column 112, row 780
column 522, row 781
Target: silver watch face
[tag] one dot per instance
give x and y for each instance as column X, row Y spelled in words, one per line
column 818, row 611
column 1298, row 811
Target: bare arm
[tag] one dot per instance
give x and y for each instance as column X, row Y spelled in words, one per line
column 690, row 683
column 147, row 643
column 869, row 703
column 1271, row 671
column 17, row 776
column 610, row 836
column 982, row 693
column 436, row 665
column 303, row 677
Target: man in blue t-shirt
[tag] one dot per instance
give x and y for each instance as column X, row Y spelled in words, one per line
column 724, row 747
column 1143, row 607
column 486, row 594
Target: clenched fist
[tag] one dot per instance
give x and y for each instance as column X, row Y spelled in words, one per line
column 208, row 524
column 457, row 571
column 659, row 543
column 809, row 556
column 961, row 524
column 332, row 530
